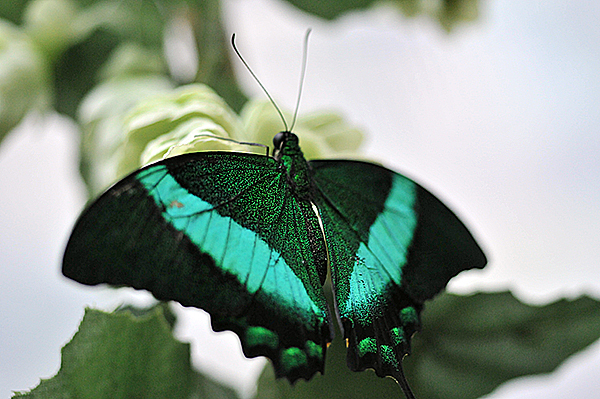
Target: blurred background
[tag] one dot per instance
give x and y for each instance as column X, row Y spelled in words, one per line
column 500, row 118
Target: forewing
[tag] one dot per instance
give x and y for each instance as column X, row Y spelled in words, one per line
column 213, row 231
column 392, row 245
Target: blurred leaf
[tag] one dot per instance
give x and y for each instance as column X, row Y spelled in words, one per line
column 24, row 77
column 454, row 12
column 102, row 27
column 169, row 316
column 130, row 59
column 119, row 355
column 469, row 346
column 447, row 12
column 143, row 22
column 101, row 117
column 77, row 69
column 13, row 10
column 323, row 134
column 140, row 21
column 206, row 388
column 49, row 23
column 130, row 122
column 330, row 9
column 214, row 67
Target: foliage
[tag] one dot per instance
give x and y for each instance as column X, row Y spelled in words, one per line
column 469, row 345
column 127, row 354
column 65, row 48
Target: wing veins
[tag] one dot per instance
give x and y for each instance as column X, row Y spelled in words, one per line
column 344, row 188
column 224, row 202
column 264, row 276
column 355, row 231
column 271, row 253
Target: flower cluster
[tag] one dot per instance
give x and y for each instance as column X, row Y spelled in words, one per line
column 194, row 118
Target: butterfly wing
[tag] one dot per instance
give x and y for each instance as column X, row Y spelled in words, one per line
column 392, row 245
column 217, row 231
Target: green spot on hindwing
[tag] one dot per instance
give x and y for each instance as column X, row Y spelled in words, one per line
column 389, row 356
column 397, row 336
column 409, row 315
column 367, row 345
column 313, row 349
column 292, row 358
column 260, row 336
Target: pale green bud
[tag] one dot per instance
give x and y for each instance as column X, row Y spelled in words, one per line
column 194, row 118
column 102, row 118
column 24, row 77
column 131, row 59
column 322, row 134
column 49, row 23
column 175, row 119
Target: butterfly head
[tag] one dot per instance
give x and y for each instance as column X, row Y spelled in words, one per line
column 285, row 143
column 279, row 138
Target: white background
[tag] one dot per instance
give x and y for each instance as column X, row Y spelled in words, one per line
column 501, row 119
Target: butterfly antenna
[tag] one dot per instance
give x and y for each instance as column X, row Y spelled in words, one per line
column 259, row 83
column 302, row 75
column 401, row 380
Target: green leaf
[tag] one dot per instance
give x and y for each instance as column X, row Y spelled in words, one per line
column 100, row 30
column 330, row 9
column 130, row 59
column 469, row 346
column 76, row 71
column 127, row 355
column 49, row 23
column 167, row 313
column 101, row 117
column 13, row 10
column 141, row 21
column 213, row 47
column 447, row 12
column 206, row 388
column 24, row 77
column 454, row 12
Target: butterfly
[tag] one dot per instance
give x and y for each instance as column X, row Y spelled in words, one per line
column 251, row 239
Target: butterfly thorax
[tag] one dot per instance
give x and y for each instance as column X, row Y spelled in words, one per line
column 289, row 154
